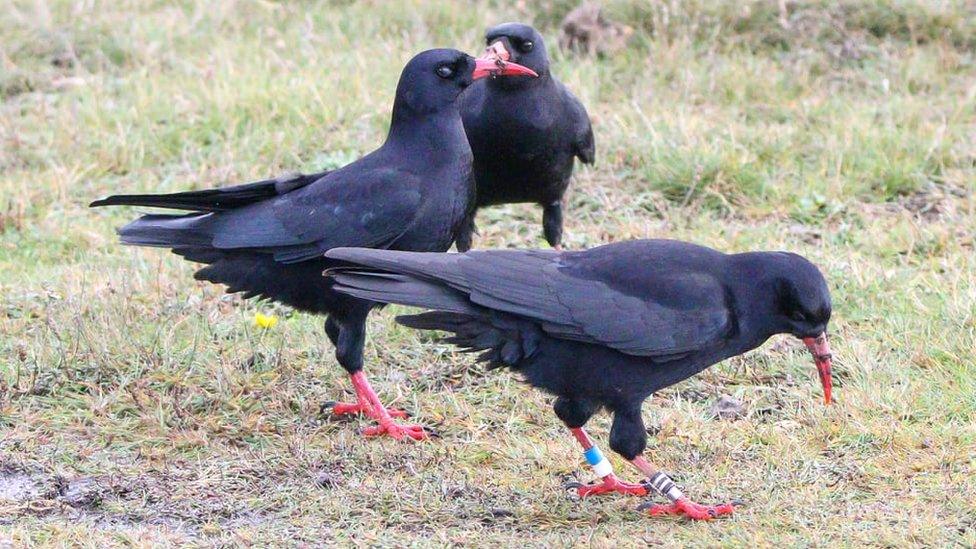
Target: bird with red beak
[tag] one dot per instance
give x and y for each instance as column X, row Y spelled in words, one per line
column 605, row 328
column 493, row 63
column 526, row 134
column 820, row 349
column 267, row 238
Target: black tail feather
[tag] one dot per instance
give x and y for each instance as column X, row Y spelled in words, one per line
column 504, row 340
column 203, row 255
column 215, row 200
column 168, row 231
column 403, row 289
column 436, row 281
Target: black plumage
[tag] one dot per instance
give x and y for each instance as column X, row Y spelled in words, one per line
column 220, row 199
column 267, row 238
column 525, row 132
column 606, row 327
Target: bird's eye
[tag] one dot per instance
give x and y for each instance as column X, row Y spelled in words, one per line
column 444, row 71
column 526, row 47
column 798, row 316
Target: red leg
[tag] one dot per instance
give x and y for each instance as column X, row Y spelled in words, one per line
column 362, row 407
column 681, row 505
column 609, row 481
column 611, row 484
column 686, row 507
column 370, row 403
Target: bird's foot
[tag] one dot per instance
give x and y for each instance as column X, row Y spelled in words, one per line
column 399, row 432
column 610, row 484
column 363, row 408
column 686, row 507
column 370, row 404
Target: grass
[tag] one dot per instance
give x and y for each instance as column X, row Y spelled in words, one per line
column 138, row 407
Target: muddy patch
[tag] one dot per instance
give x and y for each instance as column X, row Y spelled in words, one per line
column 128, row 502
column 18, row 487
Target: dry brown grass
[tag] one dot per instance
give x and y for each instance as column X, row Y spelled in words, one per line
column 140, row 408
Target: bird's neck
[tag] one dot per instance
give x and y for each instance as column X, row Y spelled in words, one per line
column 755, row 301
column 427, row 136
column 519, row 84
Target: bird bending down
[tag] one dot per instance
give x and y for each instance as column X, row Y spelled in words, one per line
column 525, row 133
column 267, row 238
column 605, row 327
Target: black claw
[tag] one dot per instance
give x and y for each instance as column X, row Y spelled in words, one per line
column 430, row 432
column 738, row 503
column 645, row 506
column 572, row 485
column 327, row 407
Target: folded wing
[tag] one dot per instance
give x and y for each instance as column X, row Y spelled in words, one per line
column 568, row 298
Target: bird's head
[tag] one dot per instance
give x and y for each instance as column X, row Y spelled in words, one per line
column 517, row 43
column 783, row 293
column 802, row 308
column 435, row 78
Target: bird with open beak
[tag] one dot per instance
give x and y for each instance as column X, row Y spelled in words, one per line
column 605, row 327
column 495, row 62
column 525, row 133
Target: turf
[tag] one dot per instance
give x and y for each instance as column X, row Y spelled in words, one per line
column 140, row 408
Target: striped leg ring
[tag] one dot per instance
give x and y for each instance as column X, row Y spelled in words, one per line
column 665, row 486
column 599, row 463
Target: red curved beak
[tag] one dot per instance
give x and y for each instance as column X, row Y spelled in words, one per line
column 820, row 349
column 494, row 62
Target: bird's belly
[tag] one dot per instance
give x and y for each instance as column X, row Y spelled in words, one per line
column 509, row 179
column 585, row 371
column 600, row 374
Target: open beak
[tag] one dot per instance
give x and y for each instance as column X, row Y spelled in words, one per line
column 820, row 349
column 495, row 62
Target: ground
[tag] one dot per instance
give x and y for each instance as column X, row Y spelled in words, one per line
column 138, row 407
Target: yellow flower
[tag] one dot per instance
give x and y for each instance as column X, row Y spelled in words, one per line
column 265, row 321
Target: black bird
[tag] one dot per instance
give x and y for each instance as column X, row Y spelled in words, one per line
column 524, row 132
column 605, row 327
column 267, row 238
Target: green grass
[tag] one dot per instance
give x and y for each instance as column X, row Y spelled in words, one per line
column 841, row 131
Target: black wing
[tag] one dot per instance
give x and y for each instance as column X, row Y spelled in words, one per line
column 359, row 208
column 370, row 208
column 572, row 296
column 583, row 145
